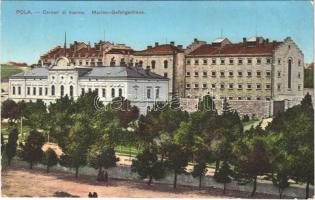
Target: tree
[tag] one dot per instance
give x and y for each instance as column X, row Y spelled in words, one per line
column 226, row 107
column 251, row 160
column 12, row 143
column 224, row 175
column 10, row 110
column 147, row 165
column 206, row 104
column 50, row 158
column 200, row 167
column 176, row 160
column 32, row 150
column 102, row 157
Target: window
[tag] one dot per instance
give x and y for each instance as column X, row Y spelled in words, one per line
column 268, row 86
column 46, row 91
column 153, row 64
column 62, row 90
column 214, row 61
column 222, row 74
column 34, row 90
column 196, row 74
column 222, row 61
column 240, row 74
column 268, row 98
column 204, row 85
column 299, row 62
column 268, row 73
column 289, row 73
column 165, row 74
column 149, row 93
column 13, row 90
column 71, row 91
column 52, row 90
column 157, row 93
column 213, row 86
column 279, row 61
column 230, row 73
column 258, row 86
column 249, row 98
column 53, row 77
column 196, row 85
column 258, row 61
column 231, row 61
column 188, row 74
column 258, row 73
column 28, row 90
column 299, row 87
column 299, row 75
column 40, row 91
column 90, row 90
column 205, row 61
column 249, row 74
column 221, row 86
column 268, row 60
column 187, row 85
column 103, row 92
column 231, row 86
column 279, row 87
column 258, row 98
column 240, row 61
column 239, row 98
column 120, row 92
column 141, row 63
column 19, row 90
column 205, row 74
column 249, row 61
column 82, row 91
column 240, row 86
column 165, row 64
column 289, row 46
column 188, row 62
column 249, row 86
column 113, row 92
column 196, row 62
column 213, row 74
column 279, row 74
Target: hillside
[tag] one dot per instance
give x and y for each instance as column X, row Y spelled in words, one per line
column 9, row 70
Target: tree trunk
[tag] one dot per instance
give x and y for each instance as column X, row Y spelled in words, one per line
column 31, row 165
column 175, row 179
column 47, row 169
column 76, row 172
column 307, row 190
column 9, row 162
column 150, row 180
column 280, row 194
column 217, row 165
column 224, row 187
column 254, row 188
column 200, row 182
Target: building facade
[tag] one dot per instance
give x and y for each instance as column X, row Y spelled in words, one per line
column 141, row 87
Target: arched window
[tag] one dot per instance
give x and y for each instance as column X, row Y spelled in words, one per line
column 165, row 64
column 13, row 92
column 71, row 91
column 289, row 73
column 113, row 92
column 153, row 64
column 120, row 92
column 140, row 63
column 52, row 90
column 62, row 90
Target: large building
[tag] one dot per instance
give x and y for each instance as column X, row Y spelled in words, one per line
column 255, row 71
column 141, row 87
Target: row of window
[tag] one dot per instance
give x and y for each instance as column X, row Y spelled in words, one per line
column 240, row 98
column 229, row 86
column 230, row 74
column 103, row 90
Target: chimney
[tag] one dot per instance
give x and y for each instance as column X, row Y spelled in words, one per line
column 195, row 40
column 180, row 46
column 244, row 39
column 267, row 40
column 156, row 44
column 149, row 47
column 172, row 43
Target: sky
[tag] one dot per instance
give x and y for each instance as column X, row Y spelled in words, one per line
column 24, row 37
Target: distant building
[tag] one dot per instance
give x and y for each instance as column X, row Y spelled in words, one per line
column 141, row 87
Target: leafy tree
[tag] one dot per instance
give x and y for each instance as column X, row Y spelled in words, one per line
column 200, row 167
column 88, row 103
column 125, row 112
column 102, row 157
column 224, row 175
column 147, row 165
column 251, row 156
column 176, row 160
column 10, row 110
column 50, row 158
column 12, row 143
column 32, row 150
column 36, row 115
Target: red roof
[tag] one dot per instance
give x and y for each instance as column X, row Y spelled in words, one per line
column 120, row 51
column 161, row 49
column 236, row 49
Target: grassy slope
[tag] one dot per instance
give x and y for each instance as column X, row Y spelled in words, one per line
column 9, row 70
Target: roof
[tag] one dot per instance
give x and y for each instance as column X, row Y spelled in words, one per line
column 41, row 72
column 121, row 72
column 159, row 50
column 235, row 49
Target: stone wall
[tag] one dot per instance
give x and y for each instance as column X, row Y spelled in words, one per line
column 124, row 172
